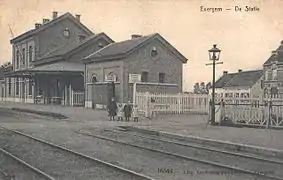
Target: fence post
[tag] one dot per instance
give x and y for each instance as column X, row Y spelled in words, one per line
column 147, row 104
column 222, row 110
column 179, row 102
column 269, row 114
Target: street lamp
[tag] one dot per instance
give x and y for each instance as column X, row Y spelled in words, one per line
column 214, row 55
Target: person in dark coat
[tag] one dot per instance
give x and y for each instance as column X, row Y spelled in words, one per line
column 112, row 109
column 127, row 111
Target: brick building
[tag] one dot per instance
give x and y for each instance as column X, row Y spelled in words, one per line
column 61, row 61
column 273, row 73
column 46, row 61
column 159, row 64
column 242, row 84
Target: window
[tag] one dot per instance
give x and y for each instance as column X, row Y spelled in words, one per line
column 94, row 79
column 17, row 86
column 274, row 74
column 30, row 53
column 17, row 59
column 9, row 86
column 111, row 77
column 266, row 75
column 161, row 77
column 23, row 56
column 144, row 76
column 30, row 87
column 153, row 52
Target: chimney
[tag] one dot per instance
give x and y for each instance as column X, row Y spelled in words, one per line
column 225, row 72
column 54, row 14
column 37, row 25
column 136, row 36
column 78, row 17
column 274, row 52
column 44, row 21
column 240, row 70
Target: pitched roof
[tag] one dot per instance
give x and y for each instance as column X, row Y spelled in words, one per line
column 70, row 47
column 123, row 48
column 223, row 80
column 61, row 66
column 278, row 57
column 241, row 79
column 118, row 48
column 271, row 59
column 48, row 24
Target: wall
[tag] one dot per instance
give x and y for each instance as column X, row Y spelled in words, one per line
column 256, row 90
column 165, row 62
column 53, row 38
column 101, row 70
column 232, row 90
column 19, row 46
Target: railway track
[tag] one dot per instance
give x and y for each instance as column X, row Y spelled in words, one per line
column 59, row 162
column 20, row 169
column 257, row 166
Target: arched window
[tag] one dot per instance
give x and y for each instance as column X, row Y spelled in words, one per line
column 30, row 53
column 94, row 79
column 111, row 77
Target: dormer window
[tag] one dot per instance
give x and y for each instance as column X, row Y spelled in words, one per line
column 153, row 52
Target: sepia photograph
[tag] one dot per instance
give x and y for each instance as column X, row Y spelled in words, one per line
column 141, row 90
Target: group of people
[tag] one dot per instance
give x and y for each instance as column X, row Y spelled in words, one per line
column 127, row 111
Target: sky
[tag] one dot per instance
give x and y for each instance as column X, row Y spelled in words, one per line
column 245, row 38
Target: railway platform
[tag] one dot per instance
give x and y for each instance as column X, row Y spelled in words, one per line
column 172, row 125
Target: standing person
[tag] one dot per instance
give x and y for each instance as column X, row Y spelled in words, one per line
column 127, row 111
column 112, row 109
column 135, row 113
column 120, row 112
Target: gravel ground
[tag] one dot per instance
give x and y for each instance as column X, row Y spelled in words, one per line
column 13, row 167
column 242, row 162
column 142, row 161
column 57, row 163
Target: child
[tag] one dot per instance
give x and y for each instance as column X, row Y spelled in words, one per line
column 127, row 111
column 120, row 112
column 135, row 113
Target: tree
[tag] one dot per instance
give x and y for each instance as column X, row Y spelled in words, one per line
column 202, row 88
column 196, row 88
column 208, row 86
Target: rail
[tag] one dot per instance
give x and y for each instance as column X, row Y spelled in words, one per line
column 79, row 154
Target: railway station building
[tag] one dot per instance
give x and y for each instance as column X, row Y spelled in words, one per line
column 61, row 61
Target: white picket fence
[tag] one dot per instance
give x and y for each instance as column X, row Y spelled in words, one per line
column 77, row 99
column 240, row 110
column 172, row 103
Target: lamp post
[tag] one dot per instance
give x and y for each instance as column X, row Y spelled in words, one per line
column 214, row 55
